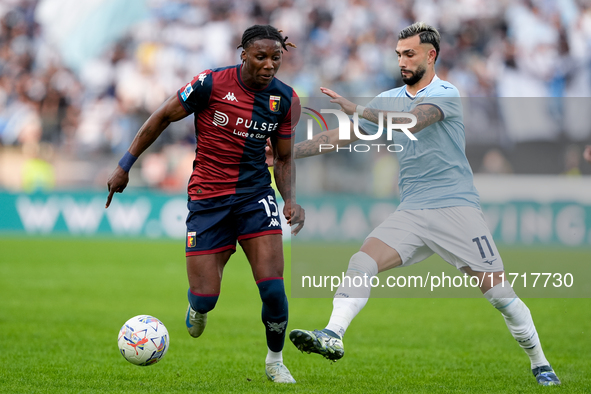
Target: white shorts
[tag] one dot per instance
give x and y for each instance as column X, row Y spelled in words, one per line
column 458, row 234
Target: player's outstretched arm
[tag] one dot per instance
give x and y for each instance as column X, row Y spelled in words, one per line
column 170, row 111
column 426, row 114
column 347, row 106
column 313, row 147
column 327, row 140
column 283, row 163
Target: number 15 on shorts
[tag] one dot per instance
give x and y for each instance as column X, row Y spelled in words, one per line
column 270, row 206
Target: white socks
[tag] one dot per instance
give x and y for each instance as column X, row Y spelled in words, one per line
column 353, row 293
column 274, row 357
column 518, row 320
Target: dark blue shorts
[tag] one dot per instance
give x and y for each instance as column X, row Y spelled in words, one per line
column 215, row 224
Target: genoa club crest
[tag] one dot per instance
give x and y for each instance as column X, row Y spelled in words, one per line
column 191, row 241
column 274, row 103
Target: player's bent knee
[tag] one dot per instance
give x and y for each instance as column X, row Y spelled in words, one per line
column 202, row 303
column 385, row 256
column 272, row 291
column 487, row 280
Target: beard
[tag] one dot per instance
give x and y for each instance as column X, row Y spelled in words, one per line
column 415, row 76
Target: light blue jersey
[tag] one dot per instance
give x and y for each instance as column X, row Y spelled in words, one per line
column 434, row 170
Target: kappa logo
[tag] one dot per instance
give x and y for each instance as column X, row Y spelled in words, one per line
column 202, row 77
column 230, row 97
column 277, row 327
column 220, row 119
column 274, row 222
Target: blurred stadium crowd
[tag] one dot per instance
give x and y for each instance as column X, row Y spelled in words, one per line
column 66, row 124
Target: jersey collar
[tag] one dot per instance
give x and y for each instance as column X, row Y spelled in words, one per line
column 435, row 78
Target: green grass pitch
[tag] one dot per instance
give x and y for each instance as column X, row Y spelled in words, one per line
column 62, row 302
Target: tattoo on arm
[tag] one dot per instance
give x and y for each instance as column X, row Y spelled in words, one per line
column 426, row 116
column 371, row 114
column 309, row 147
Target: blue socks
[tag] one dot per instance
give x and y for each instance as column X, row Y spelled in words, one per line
column 202, row 303
column 274, row 314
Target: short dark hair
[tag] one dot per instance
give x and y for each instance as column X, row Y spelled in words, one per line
column 428, row 35
column 262, row 32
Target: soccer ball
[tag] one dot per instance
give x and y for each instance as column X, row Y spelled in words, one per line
column 143, row 340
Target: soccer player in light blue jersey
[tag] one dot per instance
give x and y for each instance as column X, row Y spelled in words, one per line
column 439, row 210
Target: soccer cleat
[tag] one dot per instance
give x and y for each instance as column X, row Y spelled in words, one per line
column 278, row 373
column 545, row 376
column 325, row 343
column 195, row 322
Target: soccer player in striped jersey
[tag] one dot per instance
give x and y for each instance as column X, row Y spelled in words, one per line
column 236, row 110
column 439, row 211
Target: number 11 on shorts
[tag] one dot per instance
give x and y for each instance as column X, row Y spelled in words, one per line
column 480, row 246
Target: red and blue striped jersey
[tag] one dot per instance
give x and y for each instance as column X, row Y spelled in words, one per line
column 232, row 124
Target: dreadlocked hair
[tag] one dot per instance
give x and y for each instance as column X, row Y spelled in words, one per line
column 261, row 32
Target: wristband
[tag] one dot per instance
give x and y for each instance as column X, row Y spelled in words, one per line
column 359, row 109
column 127, row 161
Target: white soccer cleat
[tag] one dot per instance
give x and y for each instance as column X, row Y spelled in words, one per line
column 195, row 322
column 278, row 373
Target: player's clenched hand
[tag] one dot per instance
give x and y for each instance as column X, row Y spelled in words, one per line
column 269, row 153
column 346, row 106
column 117, row 183
column 295, row 216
